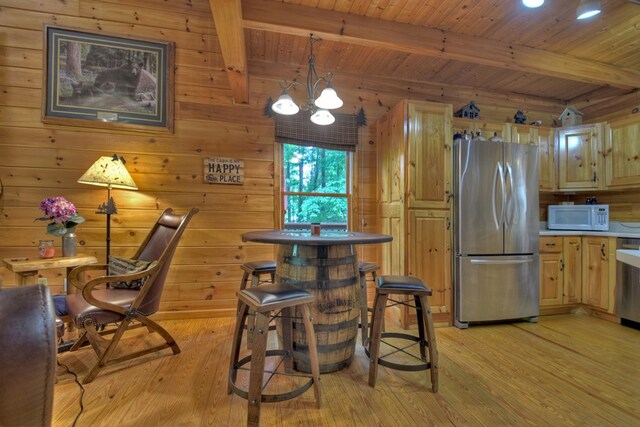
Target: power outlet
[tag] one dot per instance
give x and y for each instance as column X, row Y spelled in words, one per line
column 42, row 281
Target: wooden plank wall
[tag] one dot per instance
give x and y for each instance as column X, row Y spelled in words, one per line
column 38, row 160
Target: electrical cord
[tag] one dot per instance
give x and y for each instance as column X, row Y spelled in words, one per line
column 75, row 378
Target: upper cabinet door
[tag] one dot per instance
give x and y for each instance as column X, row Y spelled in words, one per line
column 429, row 162
column 579, row 153
column 622, row 151
column 546, row 159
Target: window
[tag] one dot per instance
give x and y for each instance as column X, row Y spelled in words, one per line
column 315, row 186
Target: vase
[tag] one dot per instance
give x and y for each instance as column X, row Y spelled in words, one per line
column 70, row 243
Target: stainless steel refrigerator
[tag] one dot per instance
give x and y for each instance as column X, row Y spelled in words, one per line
column 496, row 232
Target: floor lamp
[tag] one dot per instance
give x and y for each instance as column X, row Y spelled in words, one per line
column 110, row 172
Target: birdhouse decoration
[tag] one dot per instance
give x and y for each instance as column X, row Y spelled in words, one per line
column 570, row 116
column 469, row 111
column 520, row 118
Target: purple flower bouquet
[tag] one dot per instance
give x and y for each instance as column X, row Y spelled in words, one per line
column 62, row 214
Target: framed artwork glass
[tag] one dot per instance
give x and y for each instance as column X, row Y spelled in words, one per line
column 107, row 81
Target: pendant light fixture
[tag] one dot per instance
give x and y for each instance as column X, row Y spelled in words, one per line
column 319, row 107
column 588, row 8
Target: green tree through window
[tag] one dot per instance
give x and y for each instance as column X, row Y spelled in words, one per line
column 315, row 185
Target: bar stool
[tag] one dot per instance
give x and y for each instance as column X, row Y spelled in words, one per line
column 262, row 301
column 256, row 270
column 409, row 286
column 365, row 268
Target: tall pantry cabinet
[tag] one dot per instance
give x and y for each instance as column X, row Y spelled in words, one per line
column 415, row 178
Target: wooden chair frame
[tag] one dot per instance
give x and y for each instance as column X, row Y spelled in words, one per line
column 130, row 317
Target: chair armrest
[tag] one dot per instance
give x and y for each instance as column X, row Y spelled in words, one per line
column 75, row 273
column 87, row 289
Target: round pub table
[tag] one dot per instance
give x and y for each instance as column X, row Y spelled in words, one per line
column 327, row 266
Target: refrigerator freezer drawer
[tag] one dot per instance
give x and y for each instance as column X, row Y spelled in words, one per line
column 492, row 288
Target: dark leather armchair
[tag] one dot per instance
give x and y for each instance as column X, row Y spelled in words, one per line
column 27, row 356
column 96, row 308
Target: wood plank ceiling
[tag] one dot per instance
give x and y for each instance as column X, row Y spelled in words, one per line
column 496, row 48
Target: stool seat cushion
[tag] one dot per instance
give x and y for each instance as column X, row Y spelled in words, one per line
column 274, row 293
column 366, row 267
column 259, row 265
column 401, row 282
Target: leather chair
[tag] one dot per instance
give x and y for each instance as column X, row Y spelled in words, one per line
column 27, row 356
column 95, row 309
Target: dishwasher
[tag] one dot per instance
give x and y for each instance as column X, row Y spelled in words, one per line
column 628, row 287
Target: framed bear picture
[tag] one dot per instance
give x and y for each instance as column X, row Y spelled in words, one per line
column 107, row 81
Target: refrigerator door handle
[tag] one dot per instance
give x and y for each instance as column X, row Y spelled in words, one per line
column 495, row 262
column 498, row 173
column 511, row 205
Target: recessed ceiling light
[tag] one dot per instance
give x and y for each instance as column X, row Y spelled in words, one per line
column 588, row 8
column 533, row 3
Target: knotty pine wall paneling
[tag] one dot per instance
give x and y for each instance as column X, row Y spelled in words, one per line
column 38, row 160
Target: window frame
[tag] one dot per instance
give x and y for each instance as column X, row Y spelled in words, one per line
column 280, row 194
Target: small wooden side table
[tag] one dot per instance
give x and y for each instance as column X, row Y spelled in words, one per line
column 23, row 268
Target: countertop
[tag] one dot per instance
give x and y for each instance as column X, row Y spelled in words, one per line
column 616, row 229
column 629, row 256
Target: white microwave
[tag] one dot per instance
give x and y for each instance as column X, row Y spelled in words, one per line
column 578, row 217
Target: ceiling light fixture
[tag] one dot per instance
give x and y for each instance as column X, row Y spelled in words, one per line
column 588, row 8
column 533, row 3
column 319, row 108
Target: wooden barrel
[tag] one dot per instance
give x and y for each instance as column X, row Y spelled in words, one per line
column 331, row 274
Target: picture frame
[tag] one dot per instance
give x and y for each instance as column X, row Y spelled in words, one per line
column 107, row 81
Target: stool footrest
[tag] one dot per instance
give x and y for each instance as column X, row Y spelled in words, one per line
column 401, row 367
column 278, row 397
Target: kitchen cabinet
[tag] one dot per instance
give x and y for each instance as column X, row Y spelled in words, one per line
column 551, row 271
column 580, row 164
column 595, row 271
column 577, row 270
column 429, row 254
column 572, row 263
column 622, row 153
column 414, row 176
column 546, row 158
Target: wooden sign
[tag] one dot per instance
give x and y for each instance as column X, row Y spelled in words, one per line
column 222, row 170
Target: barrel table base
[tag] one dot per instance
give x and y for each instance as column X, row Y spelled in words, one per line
column 330, row 273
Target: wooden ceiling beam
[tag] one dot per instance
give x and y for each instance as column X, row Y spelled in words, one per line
column 227, row 16
column 410, row 89
column 298, row 20
column 617, row 104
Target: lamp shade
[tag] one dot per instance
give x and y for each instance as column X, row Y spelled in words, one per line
column 285, row 105
column 588, row 8
column 328, row 99
column 322, row 117
column 108, row 171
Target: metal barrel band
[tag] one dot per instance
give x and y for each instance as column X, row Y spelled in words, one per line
column 326, row 367
column 319, row 284
column 332, row 327
column 277, row 397
column 319, row 262
column 326, row 348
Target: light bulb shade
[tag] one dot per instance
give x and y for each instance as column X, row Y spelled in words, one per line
column 328, row 99
column 322, row 117
column 108, row 171
column 533, row 3
column 588, row 8
column 285, row 105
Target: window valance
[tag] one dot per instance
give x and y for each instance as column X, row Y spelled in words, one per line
column 299, row 130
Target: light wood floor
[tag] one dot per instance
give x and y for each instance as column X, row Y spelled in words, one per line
column 566, row 370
